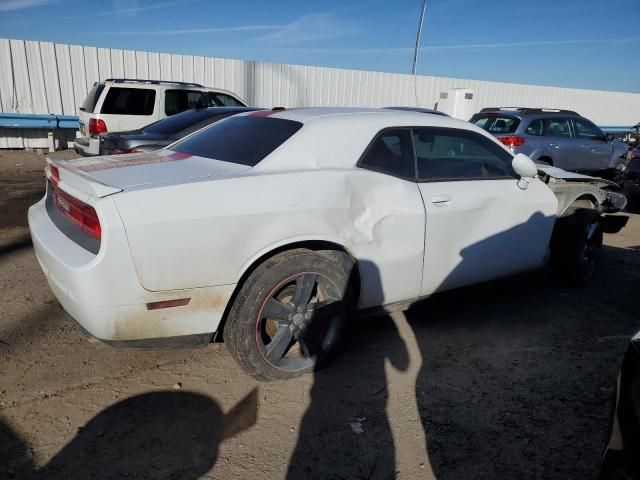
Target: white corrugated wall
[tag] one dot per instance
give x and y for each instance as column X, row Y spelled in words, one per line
column 42, row 77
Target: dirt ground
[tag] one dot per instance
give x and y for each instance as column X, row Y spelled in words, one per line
column 512, row 379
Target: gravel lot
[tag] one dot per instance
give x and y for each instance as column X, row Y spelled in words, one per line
column 512, row 379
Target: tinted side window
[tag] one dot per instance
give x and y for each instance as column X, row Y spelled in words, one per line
column 391, row 152
column 536, row 127
column 245, row 140
column 586, row 129
column 129, row 101
column 451, row 154
column 557, row 127
column 222, row 100
column 176, row 101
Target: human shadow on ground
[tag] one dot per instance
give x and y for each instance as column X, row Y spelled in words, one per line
column 159, row 435
column 518, row 374
column 345, row 432
column 516, row 381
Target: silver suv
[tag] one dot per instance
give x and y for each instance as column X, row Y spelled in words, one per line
column 561, row 138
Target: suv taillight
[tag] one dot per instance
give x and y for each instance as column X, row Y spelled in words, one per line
column 97, row 126
column 79, row 213
column 512, row 141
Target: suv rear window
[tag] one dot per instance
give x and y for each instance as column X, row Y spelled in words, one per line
column 92, row 98
column 129, row 101
column 496, row 124
column 245, row 140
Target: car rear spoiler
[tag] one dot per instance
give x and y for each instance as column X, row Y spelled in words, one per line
column 65, row 172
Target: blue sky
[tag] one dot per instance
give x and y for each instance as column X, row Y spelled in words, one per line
column 572, row 43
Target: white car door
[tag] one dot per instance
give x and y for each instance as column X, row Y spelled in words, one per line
column 391, row 226
column 480, row 225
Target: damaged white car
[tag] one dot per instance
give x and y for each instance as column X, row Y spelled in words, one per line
column 268, row 229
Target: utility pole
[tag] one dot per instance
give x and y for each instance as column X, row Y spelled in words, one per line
column 415, row 51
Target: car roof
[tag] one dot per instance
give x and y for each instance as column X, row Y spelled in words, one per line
column 196, row 115
column 219, row 110
column 528, row 112
column 336, row 137
column 371, row 115
column 166, row 85
column 417, row 109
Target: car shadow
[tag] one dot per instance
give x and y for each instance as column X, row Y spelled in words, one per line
column 153, row 435
column 516, row 381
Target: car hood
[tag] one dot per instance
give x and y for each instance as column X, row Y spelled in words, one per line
column 140, row 170
column 560, row 174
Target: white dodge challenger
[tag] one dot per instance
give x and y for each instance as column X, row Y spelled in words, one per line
column 268, row 229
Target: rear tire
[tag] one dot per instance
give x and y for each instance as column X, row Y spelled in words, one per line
column 576, row 246
column 290, row 316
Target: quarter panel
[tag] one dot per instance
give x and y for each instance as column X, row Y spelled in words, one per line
column 207, row 233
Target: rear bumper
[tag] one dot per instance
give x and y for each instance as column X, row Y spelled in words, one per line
column 87, row 146
column 104, row 296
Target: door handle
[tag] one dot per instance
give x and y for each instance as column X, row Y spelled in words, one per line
column 441, row 200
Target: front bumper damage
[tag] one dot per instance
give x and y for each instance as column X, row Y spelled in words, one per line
column 589, row 192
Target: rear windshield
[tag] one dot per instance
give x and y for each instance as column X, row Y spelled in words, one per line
column 245, row 140
column 92, row 98
column 129, row 101
column 496, row 124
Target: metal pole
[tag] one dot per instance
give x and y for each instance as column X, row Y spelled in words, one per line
column 415, row 51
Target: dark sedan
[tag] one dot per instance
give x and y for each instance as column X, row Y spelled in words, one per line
column 166, row 131
column 622, row 456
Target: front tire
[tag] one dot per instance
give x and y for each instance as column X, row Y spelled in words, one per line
column 290, row 315
column 576, row 246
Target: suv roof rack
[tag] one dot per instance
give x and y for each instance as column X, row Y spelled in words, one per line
column 153, row 82
column 528, row 110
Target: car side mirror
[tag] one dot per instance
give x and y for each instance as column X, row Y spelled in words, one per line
column 525, row 168
column 608, row 137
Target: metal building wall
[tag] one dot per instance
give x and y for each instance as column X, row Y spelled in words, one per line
column 43, row 77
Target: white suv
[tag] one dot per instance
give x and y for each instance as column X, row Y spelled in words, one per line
column 121, row 104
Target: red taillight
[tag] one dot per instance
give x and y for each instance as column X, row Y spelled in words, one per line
column 512, row 141
column 97, row 126
column 79, row 213
column 127, row 150
column 55, row 174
